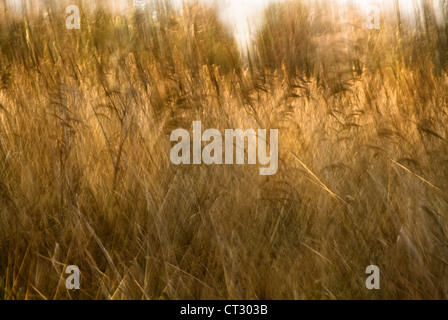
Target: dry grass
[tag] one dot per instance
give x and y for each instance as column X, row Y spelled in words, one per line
column 86, row 179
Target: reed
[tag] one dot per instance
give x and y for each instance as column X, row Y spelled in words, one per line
column 86, row 177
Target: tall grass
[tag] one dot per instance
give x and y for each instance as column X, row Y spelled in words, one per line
column 86, row 179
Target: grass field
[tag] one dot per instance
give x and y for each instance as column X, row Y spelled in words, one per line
column 86, row 177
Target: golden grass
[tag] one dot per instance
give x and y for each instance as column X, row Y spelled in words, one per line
column 86, row 179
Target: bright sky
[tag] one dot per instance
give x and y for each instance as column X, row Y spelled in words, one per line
column 243, row 8
column 243, row 15
column 237, row 13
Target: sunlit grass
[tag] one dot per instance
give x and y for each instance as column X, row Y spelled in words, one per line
column 86, row 179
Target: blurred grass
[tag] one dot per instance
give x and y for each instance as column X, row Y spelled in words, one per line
column 85, row 175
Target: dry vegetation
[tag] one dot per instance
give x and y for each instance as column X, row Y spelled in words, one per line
column 86, row 179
